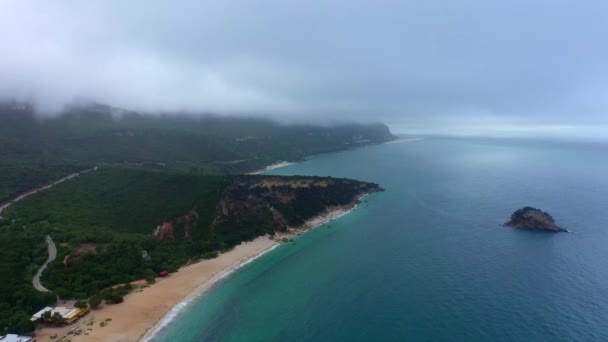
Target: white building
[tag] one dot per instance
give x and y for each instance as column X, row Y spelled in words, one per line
column 39, row 314
column 69, row 314
column 15, row 338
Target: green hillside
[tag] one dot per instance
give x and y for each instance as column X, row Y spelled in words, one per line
column 105, row 224
column 37, row 150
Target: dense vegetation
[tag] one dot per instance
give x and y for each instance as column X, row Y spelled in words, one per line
column 103, row 224
column 106, row 217
column 36, row 150
column 22, row 251
column 167, row 169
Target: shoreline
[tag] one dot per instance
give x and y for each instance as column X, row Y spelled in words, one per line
column 325, row 217
column 271, row 167
column 146, row 311
column 168, row 317
column 403, row 140
column 286, row 163
column 317, row 221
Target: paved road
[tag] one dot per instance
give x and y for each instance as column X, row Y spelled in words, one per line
column 49, row 241
column 52, row 256
column 50, row 185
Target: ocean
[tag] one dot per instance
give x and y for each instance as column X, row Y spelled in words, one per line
column 429, row 259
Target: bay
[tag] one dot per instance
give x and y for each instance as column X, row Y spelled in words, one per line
column 429, row 259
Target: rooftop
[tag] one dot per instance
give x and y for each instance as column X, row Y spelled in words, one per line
column 15, row 338
column 63, row 311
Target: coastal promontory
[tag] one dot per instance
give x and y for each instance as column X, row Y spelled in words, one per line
column 533, row 219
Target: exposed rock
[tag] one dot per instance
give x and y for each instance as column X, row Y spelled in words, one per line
column 176, row 228
column 535, row 219
column 277, row 203
column 256, row 205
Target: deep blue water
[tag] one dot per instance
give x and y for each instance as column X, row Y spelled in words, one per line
column 428, row 260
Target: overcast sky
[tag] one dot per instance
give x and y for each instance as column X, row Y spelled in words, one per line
column 517, row 67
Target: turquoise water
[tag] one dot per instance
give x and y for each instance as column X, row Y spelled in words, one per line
column 428, row 260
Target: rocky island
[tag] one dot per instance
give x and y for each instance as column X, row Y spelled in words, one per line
column 534, row 219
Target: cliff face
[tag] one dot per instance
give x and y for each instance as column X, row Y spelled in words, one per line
column 535, row 219
column 255, row 205
column 177, row 228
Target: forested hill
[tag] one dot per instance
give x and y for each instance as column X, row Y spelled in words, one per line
column 118, row 224
column 36, row 150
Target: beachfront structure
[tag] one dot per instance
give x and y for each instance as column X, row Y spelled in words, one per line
column 38, row 315
column 69, row 315
column 15, row 338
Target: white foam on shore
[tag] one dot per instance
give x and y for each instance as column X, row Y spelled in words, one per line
column 181, row 306
column 244, row 263
column 169, row 317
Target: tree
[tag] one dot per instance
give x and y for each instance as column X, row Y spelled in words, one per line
column 20, row 323
column 94, row 302
column 57, row 318
column 149, row 275
column 81, row 304
column 112, row 296
column 62, row 293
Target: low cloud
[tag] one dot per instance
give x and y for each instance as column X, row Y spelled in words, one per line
column 420, row 66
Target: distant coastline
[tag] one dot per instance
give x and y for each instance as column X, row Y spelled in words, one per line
column 403, row 140
column 271, row 167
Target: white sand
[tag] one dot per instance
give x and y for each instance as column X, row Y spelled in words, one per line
column 271, row 167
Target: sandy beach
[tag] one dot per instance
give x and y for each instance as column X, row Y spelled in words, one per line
column 142, row 312
column 327, row 216
column 271, row 167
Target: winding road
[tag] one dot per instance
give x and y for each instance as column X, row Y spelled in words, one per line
column 49, row 241
column 52, row 256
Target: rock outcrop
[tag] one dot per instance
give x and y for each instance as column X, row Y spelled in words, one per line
column 283, row 202
column 177, row 228
column 252, row 206
column 534, row 219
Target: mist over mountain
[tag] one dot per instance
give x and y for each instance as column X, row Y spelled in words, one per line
column 36, row 150
column 515, row 69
